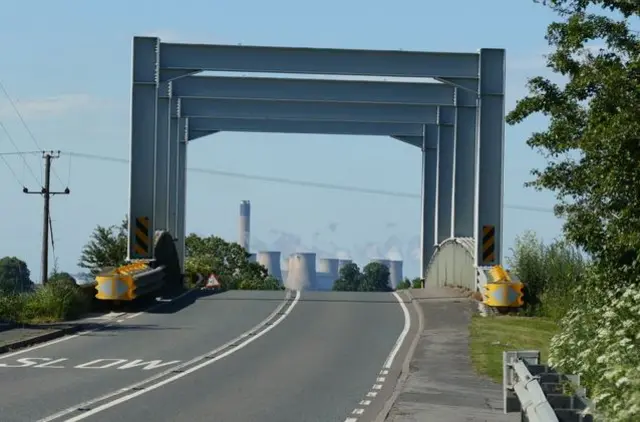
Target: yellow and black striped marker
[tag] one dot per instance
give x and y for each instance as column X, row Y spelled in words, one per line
column 488, row 245
column 141, row 243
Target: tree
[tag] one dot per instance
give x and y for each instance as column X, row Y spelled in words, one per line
column 417, row 283
column 107, row 247
column 14, row 275
column 593, row 139
column 404, row 284
column 228, row 261
column 375, row 278
column 62, row 279
column 592, row 146
column 349, row 280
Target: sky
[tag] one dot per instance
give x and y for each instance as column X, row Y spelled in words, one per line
column 67, row 68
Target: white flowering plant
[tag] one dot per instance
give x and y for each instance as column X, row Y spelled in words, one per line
column 600, row 341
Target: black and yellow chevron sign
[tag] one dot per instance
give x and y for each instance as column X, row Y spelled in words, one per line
column 141, row 242
column 488, row 245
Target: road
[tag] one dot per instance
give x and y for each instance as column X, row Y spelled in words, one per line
column 314, row 356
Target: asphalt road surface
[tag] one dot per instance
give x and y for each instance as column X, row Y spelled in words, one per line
column 237, row 356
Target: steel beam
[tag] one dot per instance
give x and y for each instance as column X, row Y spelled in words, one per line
column 428, row 196
column 199, row 125
column 464, row 165
column 306, row 110
column 144, row 103
column 174, row 157
column 490, row 156
column 416, row 141
column 322, row 61
column 163, row 139
column 313, row 90
column 181, row 206
column 444, row 176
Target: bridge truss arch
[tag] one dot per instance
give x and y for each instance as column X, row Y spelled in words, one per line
column 456, row 122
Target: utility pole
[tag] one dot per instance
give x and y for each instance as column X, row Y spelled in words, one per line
column 47, row 194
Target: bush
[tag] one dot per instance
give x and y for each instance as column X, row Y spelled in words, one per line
column 599, row 340
column 50, row 303
column 550, row 274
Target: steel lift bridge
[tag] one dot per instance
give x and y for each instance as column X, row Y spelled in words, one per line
column 457, row 123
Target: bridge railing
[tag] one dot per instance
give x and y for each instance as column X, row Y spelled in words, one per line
column 540, row 393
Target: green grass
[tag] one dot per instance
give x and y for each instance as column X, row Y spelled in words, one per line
column 490, row 336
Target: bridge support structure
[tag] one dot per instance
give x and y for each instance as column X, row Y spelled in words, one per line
column 457, row 122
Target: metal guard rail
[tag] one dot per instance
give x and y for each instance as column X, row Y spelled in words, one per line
column 536, row 391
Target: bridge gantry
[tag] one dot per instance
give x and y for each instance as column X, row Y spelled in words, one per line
column 457, row 123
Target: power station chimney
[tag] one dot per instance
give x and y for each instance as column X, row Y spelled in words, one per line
column 244, row 226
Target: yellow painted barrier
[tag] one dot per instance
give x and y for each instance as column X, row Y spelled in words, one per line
column 118, row 284
column 503, row 292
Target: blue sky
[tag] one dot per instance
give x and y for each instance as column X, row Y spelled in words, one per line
column 67, row 63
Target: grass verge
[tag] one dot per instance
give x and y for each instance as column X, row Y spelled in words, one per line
column 490, row 336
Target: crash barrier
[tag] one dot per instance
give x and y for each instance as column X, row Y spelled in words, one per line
column 501, row 291
column 540, row 393
column 143, row 278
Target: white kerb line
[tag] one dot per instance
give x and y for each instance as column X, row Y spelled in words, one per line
column 188, row 371
column 403, row 334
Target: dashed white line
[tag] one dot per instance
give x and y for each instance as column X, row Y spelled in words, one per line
column 387, row 363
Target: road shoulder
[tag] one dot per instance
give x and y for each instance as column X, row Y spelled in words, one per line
column 438, row 381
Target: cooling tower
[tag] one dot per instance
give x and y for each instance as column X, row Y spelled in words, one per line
column 301, row 274
column 395, row 273
column 244, row 224
column 327, row 272
column 271, row 261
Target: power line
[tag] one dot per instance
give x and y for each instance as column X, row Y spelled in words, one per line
column 297, row 182
column 24, row 123
column 18, row 152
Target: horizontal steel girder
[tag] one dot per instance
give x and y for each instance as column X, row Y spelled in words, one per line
column 306, row 110
column 199, row 127
column 313, row 90
column 319, row 61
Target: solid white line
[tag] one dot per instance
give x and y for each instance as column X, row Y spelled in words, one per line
column 403, row 334
column 107, row 323
column 176, row 377
column 168, row 371
column 351, row 420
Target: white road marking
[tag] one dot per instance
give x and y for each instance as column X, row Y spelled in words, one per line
column 85, row 332
column 403, row 334
column 32, row 362
column 147, row 388
column 120, row 320
column 389, row 362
